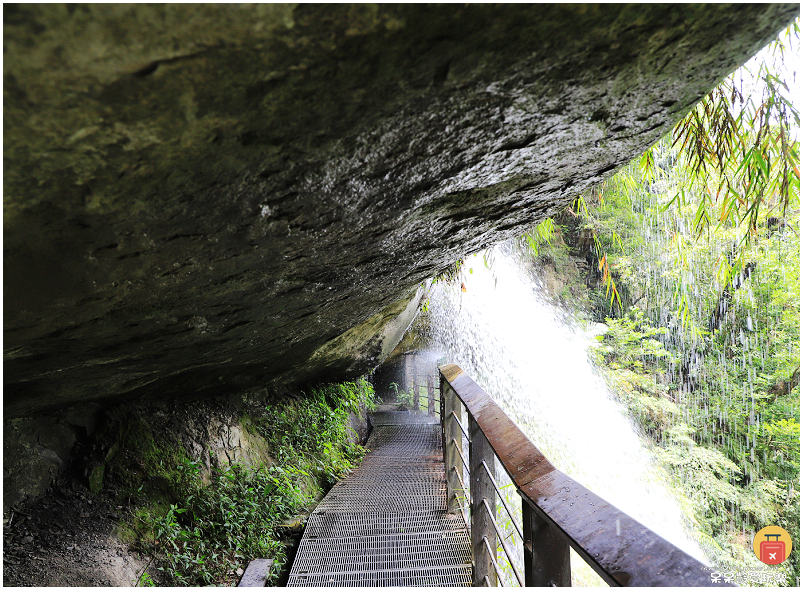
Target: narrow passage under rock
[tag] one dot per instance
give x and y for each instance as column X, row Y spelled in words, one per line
column 387, row 523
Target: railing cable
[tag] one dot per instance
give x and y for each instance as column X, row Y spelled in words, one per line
column 464, row 490
column 500, row 495
column 494, row 563
column 520, row 578
column 464, row 463
column 464, row 430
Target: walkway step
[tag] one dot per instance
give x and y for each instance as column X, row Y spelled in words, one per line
column 454, row 575
column 386, row 524
column 349, row 524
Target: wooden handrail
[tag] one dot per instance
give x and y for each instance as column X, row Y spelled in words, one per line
column 558, row 511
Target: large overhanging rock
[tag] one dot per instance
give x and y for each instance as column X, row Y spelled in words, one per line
column 200, row 198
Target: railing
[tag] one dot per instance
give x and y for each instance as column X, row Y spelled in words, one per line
column 420, row 374
column 557, row 512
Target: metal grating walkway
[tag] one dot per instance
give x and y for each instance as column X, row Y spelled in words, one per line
column 386, row 524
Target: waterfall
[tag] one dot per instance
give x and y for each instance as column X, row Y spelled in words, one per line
column 534, row 363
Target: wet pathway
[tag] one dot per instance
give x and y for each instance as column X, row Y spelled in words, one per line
column 386, row 524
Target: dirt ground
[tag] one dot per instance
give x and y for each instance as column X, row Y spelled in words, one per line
column 66, row 539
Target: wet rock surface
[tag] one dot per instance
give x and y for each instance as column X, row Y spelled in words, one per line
column 201, row 198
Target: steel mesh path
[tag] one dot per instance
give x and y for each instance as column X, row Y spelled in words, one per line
column 387, row 524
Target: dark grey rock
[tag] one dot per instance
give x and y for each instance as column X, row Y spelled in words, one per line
column 35, row 450
column 202, row 198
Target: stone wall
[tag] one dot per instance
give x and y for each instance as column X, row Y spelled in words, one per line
column 87, row 443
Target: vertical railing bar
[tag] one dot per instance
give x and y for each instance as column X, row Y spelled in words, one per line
column 500, row 495
column 460, row 454
column 494, row 563
column 431, row 395
column 527, row 539
column 547, row 560
column 464, row 490
column 520, row 578
column 416, row 383
column 464, row 430
column 481, row 492
column 450, row 407
column 408, row 372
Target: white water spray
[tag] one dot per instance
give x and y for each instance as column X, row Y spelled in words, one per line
column 509, row 340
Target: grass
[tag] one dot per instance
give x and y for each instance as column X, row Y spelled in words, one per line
column 199, row 529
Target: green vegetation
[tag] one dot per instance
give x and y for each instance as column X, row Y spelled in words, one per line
column 737, row 144
column 555, row 264
column 209, row 531
column 199, row 528
column 696, row 254
column 314, row 434
column 405, row 399
column 708, row 366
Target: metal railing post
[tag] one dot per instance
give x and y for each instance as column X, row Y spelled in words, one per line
column 409, row 371
column 416, row 389
column 451, row 444
column 431, row 396
column 546, row 553
column 482, row 501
